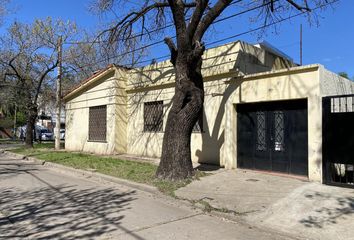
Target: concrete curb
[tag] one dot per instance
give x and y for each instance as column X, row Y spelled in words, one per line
column 15, row 155
column 86, row 174
column 98, row 177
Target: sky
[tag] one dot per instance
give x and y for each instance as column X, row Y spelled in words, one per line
column 327, row 44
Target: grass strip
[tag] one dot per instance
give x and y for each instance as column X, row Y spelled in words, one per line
column 135, row 171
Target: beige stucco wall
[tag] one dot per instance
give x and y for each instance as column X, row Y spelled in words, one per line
column 234, row 73
column 333, row 84
column 108, row 90
column 205, row 146
column 218, row 142
column 223, row 60
column 297, row 83
column 156, row 83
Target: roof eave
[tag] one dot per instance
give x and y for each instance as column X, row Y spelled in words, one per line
column 89, row 81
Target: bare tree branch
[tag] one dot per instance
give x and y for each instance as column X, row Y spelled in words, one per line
column 122, row 30
column 196, row 17
column 208, row 19
column 41, row 79
column 172, row 48
column 299, row 7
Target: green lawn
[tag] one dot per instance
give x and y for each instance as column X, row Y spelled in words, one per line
column 9, row 141
column 127, row 169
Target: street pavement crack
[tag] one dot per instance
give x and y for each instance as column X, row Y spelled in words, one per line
column 163, row 223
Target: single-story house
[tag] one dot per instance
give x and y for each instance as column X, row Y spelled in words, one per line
column 261, row 110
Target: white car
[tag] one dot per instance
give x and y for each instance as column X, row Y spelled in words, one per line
column 62, row 134
column 46, row 135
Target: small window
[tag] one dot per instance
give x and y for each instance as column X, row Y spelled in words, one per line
column 98, row 123
column 153, row 116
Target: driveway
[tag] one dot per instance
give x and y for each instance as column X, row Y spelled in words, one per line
column 293, row 206
column 39, row 203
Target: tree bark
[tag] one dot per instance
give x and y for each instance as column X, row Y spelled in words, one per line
column 187, row 105
column 30, row 125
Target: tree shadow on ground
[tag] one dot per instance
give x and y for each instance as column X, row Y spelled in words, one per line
column 340, row 208
column 62, row 212
column 207, row 167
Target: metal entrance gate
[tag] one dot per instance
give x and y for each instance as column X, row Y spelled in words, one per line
column 338, row 140
column 272, row 136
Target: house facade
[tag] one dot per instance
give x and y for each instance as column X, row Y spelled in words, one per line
column 261, row 110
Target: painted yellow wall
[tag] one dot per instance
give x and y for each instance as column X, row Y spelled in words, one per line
column 233, row 73
column 108, row 90
column 203, row 144
column 297, row 83
column 156, row 83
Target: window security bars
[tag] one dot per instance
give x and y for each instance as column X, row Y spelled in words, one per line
column 98, row 123
column 261, row 131
column 153, row 116
column 278, row 131
column 342, row 104
column 341, row 173
column 338, row 139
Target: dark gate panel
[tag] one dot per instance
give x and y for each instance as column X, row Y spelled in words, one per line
column 272, row 136
column 338, row 140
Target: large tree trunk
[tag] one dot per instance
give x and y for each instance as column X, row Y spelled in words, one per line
column 30, row 125
column 187, row 105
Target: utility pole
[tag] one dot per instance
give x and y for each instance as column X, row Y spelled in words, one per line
column 300, row 44
column 15, row 120
column 58, row 95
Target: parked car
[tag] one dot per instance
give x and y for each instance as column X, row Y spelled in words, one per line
column 37, row 133
column 46, row 135
column 62, row 134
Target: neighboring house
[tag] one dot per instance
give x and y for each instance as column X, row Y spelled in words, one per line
column 47, row 115
column 261, row 110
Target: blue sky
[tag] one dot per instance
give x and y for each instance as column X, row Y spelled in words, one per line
column 327, row 44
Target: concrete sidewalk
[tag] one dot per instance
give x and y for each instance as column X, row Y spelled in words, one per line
column 39, row 203
column 293, row 206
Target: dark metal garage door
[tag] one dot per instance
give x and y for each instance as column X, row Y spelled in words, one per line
column 338, row 140
column 272, row 136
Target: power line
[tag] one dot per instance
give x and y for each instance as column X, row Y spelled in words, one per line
column 162, row 41
column 214, row 42
column 168, row 25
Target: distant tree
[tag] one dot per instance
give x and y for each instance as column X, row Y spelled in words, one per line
column 344, row 74
column 28, row 56
column 191, row 20
column 90, row 54
column 3, row 9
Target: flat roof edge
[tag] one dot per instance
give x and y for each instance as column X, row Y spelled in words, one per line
column 299, row 69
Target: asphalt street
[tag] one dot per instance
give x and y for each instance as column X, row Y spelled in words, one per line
column 40, row 203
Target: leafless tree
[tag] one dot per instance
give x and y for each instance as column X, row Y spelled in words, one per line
column 89, row 54
column 28, row 56
column 191, row 20
column 3, row 9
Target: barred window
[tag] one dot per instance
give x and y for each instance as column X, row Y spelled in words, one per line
column 98, row 123
column 153, row 116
